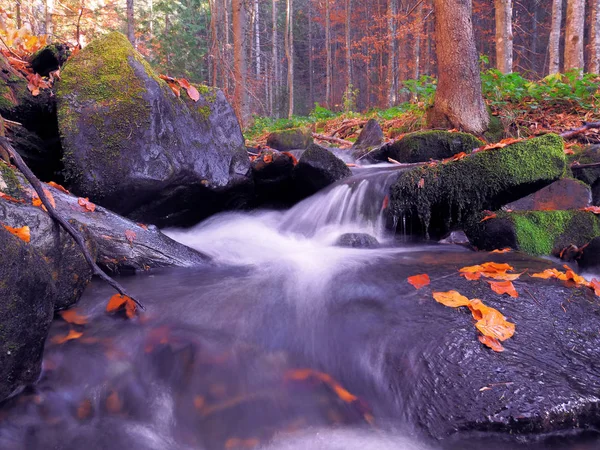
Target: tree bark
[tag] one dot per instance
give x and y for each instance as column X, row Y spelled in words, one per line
column 554, row 42
column 18, row 14
column 504, row 35
column 348, row 45
column 594, row 60
column 257, row 38
column 130, row 23
column 214, row 52
column 275, row 51
column 418, row 37
column 392, row 49
column 574, row 35
column 311, row 64
column 458, row 100
column 289, row 53
column 328, row 72
column 48, row 11
column 239, row 60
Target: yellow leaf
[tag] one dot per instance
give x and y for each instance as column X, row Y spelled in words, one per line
column 453, row 299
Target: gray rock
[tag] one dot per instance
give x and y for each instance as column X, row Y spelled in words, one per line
column 291, row 139
column 132, row 146
column 357, row 240
column 455, row 237
column 566, row 193
column 596, row 193
column 318, row 168
column 371, row 136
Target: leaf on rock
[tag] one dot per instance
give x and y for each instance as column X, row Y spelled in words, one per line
column 419, row 281
column 548, row 273
column 492, row 343
column 130, row 235
column 453, row 299
column 22, row 233
column 421, row 183
column 9, row 198
column 492, row 270
column 504, row 250
column 69, row 337
column 490, row 322
column 471, row 276
column 37, row 201
column 142, row 226
column 593, row 209
column 504, row 287
column 72, row 316
column 120, row 302
column 86, row 204
column 503, row 143
column 488, row 217
column 58, row 186
column 595, row 285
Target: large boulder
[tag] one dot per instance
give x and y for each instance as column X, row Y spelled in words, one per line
column 132, row 146
column 290, row 139
column 422, row 146
column 26, row 310
column 437, row 198
column 534, row 232
column 318, row 168
column 566, row 193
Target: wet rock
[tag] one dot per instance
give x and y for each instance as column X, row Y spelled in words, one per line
column 590, row 257
column 121, row 245
column 357, row 240
column 589, row 175
column 534, row 232
column 370, row 137
column 455, row 237
column 436, row 199
column 49, row 58
column 272, row 171
column 423, row 146
column 26, row 310
column 596, row 193
column 290, row 139
column 318, row 168
column 563, row 194
column 132, row 146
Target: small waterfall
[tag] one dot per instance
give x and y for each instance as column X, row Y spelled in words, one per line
column 358, row 204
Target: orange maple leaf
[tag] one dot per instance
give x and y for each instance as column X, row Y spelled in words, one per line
column 504, row 287
column 492, row 343
column 37, row 201
column 86, row 204
column 22, row 233
column 453, row 299
column 9, row 198
column 504, row 250
column 419, row 281
column 58, row 186
column 130, row 236
column 490, row 322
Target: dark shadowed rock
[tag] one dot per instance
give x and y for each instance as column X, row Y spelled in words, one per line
column 566, row 193
column 371, row 136
column 590, row 174
column 49, row 58
column 425, row 145
column 132, row 146
column 273, row 181
column 317, row 169
column 596, row 193
column 26, row 310
column 291, row 139
column 357, row 240
column 590, row 258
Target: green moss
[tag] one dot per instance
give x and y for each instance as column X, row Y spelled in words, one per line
column 14, row 187
column 495, row 131
column 425, row 145
column 545, row 232
column 450, row 193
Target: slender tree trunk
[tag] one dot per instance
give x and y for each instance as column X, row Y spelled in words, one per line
column 289, row 53
column 257, row 38
column 535, row 37
column 214, row 51
column 275, row 50
column 348, row 45
column 418, row 36
column 311, row 64
column 504, row 35
column 554, row 42
column 574, row 34
column 151, row 18
column 18, row 14
column 458, row 99
column 594, row 63
column 392, row 49
column 130, row 23
column 239, row 60
column 328, row 74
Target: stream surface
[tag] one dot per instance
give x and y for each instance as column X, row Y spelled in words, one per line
column 279, row 345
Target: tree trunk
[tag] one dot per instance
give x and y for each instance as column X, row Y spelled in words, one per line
column 328, row 74
column 311, row 64
column 554, row 42
column 48, row 10
column 458, row 99
column 418, row 36
column 392, row 49
column 239, row 60
column 574, row 35
column 214, row 51
column 130, row 23
column 18, row 14
column 275, row 51
column 257, row 38
column 594, row 64
column 504, row 35
column 348, row 45
column 289, row 54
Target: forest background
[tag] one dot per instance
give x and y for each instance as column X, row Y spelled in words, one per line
column 311, row 60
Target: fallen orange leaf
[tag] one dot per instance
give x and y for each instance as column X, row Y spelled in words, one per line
column 472, row 276
column 69, row 337
column 490, row 322
column 37, row 201
column 22, row 233
column 130, row 236
column 114, row 403
column 58, row 186
column 453, row 299
column 419, row 281
column 504, row 287
column 117, row 302
column 595, row 285
column 593, row 209
column 86, row 204
column 504, row 250
column 85, row 410
column 9, row 198
column 492, row 343
column 73, row 316
column 488, row 217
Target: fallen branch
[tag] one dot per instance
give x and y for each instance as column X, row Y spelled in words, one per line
column 586, row 126
column 348, row 125
column 322, row 137
column 584, row 166
column 37, row 186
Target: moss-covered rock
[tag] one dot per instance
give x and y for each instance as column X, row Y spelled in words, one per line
column 423, row 146
column 534, row 232
column 131, row 145
column 437, row 198
column 290, row 139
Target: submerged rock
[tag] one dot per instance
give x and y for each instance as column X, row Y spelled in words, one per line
column 290, row 139
column 26, row 310
column 357, row 240
column 563, row 194
column 423, row 146
column 440, row 197
column 535, row 232
column 132, row 146
column 318, row 168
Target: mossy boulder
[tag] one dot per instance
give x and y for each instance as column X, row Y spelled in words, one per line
column 132, row 146
column 435, row 199
column 534, row 232
column 26, row 310
column 290, row 139
column 423, row 146
column 317, row 169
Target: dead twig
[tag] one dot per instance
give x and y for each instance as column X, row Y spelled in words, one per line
column 322, row 137
column 37, row 186
column 585, row 127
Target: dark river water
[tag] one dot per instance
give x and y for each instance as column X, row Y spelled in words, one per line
column 279, row 345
